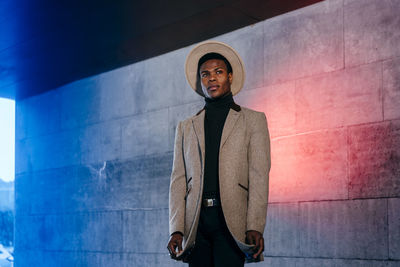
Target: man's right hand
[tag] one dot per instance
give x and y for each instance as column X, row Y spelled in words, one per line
column 175, row 241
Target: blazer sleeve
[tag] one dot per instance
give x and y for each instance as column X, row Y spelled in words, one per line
column 177, row 186
column 259, row 167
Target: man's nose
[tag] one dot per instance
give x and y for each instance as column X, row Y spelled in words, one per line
column 211, row 77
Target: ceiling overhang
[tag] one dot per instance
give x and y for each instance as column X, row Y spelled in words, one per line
column 46, row 45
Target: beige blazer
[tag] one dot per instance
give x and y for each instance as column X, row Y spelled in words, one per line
column 244, row 164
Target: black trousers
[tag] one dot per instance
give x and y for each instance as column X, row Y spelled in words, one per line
column 215, row 246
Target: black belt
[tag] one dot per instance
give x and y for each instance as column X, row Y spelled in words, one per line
column 211, row 202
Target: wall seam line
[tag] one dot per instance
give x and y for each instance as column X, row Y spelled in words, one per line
column 387, row 229
column 348, row 161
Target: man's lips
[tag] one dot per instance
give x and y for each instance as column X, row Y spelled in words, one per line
column 213, row 87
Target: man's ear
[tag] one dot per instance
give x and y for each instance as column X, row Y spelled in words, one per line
column 230, row 77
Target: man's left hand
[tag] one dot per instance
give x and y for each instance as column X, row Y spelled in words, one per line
column 255, row 238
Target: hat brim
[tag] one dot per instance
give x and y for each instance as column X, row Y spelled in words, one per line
column 192, row 61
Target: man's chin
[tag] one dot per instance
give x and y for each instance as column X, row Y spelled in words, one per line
column 215, row 94
column 211, row 94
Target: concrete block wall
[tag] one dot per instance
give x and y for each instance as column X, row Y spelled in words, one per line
column 93, row 157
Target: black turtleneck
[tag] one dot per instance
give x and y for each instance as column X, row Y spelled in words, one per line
column 216, row 112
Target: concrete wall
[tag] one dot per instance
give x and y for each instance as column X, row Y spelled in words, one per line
column 93, row 157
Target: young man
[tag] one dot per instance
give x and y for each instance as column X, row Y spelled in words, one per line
column 219, row 182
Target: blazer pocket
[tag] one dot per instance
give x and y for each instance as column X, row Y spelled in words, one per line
column 242, row 186
column 188, row 186
column 188, row 191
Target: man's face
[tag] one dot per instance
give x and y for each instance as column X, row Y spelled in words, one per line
column 215, row 80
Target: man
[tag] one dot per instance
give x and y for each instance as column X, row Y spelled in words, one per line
column 219, row 181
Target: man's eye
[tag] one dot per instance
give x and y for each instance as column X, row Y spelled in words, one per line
column 219, row 71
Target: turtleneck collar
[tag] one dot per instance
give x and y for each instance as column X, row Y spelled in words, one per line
column 222, row 102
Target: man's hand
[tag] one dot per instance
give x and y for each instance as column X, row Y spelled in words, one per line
column 255, row 238
column 175, row 241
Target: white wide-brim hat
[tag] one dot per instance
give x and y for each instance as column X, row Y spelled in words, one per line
column 192, row 61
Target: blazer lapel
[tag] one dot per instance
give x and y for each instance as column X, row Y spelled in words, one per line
column 198, row 125
column 229, row 125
